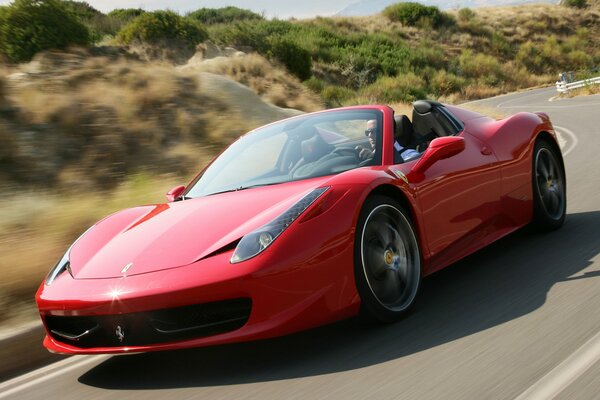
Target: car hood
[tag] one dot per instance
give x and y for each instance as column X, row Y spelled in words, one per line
column 163, row 236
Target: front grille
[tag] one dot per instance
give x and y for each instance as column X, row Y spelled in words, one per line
column 150, row 327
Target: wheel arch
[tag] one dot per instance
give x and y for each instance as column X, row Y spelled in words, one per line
column 551, row 140
column 410, row 206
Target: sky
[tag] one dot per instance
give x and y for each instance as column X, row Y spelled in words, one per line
column 272, row 8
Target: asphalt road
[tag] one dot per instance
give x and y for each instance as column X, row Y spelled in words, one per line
column 519, row 319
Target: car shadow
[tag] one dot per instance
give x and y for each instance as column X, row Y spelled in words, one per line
column 502, row 282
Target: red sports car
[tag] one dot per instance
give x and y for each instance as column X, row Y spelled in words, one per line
column 303, row 222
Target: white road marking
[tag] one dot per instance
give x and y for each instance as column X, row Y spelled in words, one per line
column 538, row 93
column 557, row 380
column 43, row 374
column 560, row 130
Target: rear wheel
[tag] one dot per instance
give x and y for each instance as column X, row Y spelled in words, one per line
column 387, row 262
column 549, row 188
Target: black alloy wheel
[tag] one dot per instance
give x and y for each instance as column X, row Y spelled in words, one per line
column 387, row 260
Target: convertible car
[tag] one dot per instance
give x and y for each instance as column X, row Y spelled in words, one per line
column 304, row 222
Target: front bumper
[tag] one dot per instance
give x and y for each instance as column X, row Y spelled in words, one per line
column 292, row 286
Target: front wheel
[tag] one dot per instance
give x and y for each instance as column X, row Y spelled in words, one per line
column 387, row 261
column 549, row 188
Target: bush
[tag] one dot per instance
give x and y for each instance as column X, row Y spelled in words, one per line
column 160, row 27
column 402, row 88
column 252, row 34
column 126, row 14
column 80, row 9
column 29, row 26
column 415, row 14
column 530, row 56
column 98, row 23
column 445, row 83
column 335, row 96
column 296, row 59
column 575, row 3
column 274, row 39
column 500, row 46
column 210, row 16
column 466, row 15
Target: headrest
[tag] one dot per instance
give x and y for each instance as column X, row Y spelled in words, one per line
column 314, row 148
column 403, row 130
column 424, row 106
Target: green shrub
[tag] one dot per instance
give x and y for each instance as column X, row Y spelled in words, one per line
column 402, row 88
column 99, row 24
column 126, row 14
column 428, row 54
column 253, row 34
column 274, row 39
column 445, row 83
column 466, row 14
column 578, row 59
column 315, row 84
column 159, row 27
column 415, row 14
column 480, row 66
column 80, row 9
column 296, row 59
column 223, row 15
column 530, row 56
column 500, row 46
column 29, row 26
column 335, row 96
column 575, row 3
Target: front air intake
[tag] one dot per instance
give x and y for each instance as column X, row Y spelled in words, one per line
column 150, row 327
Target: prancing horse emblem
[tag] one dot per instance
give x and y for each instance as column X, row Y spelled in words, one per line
column 120, row 333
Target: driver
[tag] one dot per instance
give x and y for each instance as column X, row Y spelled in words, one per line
column 365, row 153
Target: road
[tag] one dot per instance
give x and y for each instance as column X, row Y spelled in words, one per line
column 519, row 320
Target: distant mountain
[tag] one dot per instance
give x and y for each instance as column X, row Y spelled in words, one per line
column 370, row 7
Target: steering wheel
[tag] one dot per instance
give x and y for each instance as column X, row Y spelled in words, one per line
column 345, row 151
column 368, row 161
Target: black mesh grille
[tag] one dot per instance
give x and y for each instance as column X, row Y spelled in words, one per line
column 151, row 327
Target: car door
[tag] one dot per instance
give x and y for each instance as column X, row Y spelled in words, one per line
column 460, row 202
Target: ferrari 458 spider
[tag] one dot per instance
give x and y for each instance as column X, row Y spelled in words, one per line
column 303, row 222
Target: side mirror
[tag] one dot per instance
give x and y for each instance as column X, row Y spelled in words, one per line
column 174, row 193
column 439, row 149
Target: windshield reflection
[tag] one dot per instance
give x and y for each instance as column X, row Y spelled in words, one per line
column 299, row 148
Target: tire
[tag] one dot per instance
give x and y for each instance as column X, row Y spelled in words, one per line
column 549, row 188
column 387, row 260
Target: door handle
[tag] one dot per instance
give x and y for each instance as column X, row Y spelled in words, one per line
column 486, row 151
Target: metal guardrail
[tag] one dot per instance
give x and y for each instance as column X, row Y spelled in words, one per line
column 564, row 87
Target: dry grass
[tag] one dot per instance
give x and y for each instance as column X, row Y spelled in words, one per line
column 39, row 227
column 584, row 91
column 88, row 121
column 269, row 81
column 402, row 108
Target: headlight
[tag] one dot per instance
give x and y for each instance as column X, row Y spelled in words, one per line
column 258, row 240
column 62, row 266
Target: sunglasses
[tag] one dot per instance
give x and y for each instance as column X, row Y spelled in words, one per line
column 370, row 131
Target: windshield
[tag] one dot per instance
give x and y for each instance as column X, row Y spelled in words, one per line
column 299, row 148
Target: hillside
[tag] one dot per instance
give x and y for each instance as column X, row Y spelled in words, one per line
column 371, row 7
